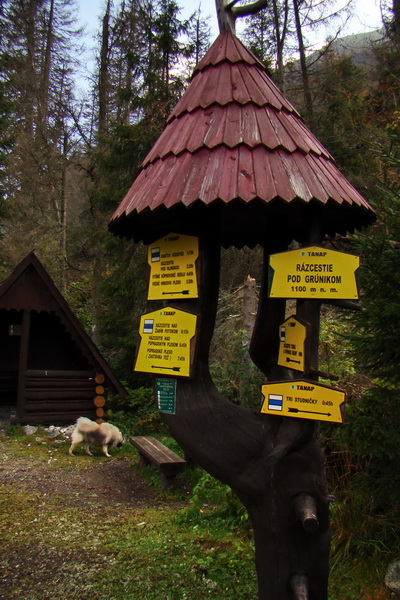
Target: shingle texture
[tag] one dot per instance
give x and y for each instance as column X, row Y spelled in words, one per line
column 236, row 151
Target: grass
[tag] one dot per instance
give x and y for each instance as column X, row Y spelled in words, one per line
column 53, row 551
column 53, row 547
column 363, row 546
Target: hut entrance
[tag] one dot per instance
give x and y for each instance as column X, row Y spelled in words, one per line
column 35, row 347
column 10, row 347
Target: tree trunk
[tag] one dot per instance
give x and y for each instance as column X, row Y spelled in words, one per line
column 63, row 217
column 280, row 35
column 249, row 307
column 227, row 12
column 30, row 83
column 396, row 20
column 308, row 105
column 97, row 220
column 104, row 71
column 273, row 464
column 43, row 92
column 226, row 19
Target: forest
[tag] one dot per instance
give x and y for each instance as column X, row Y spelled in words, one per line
column 67, row 158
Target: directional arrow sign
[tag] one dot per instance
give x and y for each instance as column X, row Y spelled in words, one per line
column 172, row 261
column 292, row 335
column 313, row 272
column 165, row 345
column 304, row 400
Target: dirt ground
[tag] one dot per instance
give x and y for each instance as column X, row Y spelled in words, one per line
column 109, row 481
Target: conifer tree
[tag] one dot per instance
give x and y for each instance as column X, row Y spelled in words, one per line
column 371, row 433
column 282, row 31
column 38, row 40
column 378, row 325
column 199, row 36
column 266, row 35
column 5, row 120
column 138, row 82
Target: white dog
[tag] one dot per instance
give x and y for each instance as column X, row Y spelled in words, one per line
column 89, row 432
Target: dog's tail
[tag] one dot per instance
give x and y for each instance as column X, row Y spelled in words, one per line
column 85, row 425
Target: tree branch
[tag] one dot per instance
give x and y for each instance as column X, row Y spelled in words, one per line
column 248, row 9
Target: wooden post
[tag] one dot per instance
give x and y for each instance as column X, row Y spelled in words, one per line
column 306, row 510
column 300, row 587
column 23, row 362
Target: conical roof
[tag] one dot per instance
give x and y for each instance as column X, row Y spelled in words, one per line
column 236, row 151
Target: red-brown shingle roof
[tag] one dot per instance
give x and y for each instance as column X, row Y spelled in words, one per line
column 236, row 151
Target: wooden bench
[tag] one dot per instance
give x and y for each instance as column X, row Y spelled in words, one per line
column 167, row 462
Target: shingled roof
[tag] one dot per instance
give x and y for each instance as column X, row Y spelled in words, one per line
column 235, row 150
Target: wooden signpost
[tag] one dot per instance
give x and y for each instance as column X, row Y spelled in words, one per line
column 208, row 175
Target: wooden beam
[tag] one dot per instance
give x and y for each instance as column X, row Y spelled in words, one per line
column 300, row 587
column 23, row 362
column 55, row 373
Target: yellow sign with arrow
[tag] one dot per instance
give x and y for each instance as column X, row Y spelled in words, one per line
column 292, row 337
column 172, row 261
column 165, row 345
column 303, row 400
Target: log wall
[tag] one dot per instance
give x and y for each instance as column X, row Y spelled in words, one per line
column 58, row 396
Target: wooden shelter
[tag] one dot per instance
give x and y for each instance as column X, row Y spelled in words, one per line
column 236, row 153
column 50, row 370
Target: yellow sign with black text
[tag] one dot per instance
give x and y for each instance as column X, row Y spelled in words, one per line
column 303, row 400
column 292, row 337
column 314, row 272
column 165, row 344
column 172, row 261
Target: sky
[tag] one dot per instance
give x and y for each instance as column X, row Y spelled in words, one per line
column 367, row 15
column 366, row 18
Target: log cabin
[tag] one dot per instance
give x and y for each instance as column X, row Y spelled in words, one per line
column 51, row 372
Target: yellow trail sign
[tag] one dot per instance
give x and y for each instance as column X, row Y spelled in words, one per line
column 292, row 336
column 314, row 272
column 172, row 267
column 165, row 345
column 303, row 400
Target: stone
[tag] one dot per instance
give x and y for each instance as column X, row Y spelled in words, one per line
column 392, row 578
column 30, row 429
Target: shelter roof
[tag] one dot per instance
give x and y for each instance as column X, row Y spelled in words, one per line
column 30, row 287
column 234, row 149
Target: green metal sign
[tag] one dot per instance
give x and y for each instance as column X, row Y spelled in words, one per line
column 166, row 395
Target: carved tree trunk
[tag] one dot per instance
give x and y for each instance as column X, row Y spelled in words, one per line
column 226, row 19
column 273, row 464
column 227, row 12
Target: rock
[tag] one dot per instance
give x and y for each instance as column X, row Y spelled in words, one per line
column 53, row 431
column 30, row 429
column 67, row 431
column 392, row 578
